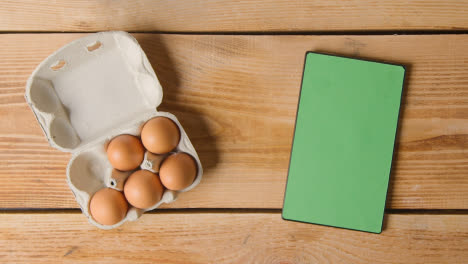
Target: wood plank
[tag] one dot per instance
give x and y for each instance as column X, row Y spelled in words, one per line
column 236, row 96
column 232, row 16
column 229, row 238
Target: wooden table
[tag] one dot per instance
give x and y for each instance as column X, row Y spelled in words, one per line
column 231, row 72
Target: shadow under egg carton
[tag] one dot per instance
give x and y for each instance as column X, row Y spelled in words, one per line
column 86, row 93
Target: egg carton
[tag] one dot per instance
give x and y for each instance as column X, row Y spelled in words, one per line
column 86, row 93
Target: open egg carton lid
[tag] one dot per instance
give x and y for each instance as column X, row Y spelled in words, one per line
column 91, row 87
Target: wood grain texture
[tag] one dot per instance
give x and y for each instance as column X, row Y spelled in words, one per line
column 229, row 238
column 232, row 16
column 236, row 97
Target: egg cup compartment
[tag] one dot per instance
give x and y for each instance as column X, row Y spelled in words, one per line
column 86, row 93
column 52, row 114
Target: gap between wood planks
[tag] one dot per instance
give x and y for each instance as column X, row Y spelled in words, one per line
column 277, row 33
column 226, row 210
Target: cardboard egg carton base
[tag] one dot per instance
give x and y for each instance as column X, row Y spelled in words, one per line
column 86, row 93
column 89, row 170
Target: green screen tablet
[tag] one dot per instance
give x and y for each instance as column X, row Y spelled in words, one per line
column 343, row 142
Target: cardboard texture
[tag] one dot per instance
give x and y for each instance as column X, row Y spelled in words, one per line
column 343, row 142
column 86, row 93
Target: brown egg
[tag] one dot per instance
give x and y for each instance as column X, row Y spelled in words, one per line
column 125, row 152
column 160, row 135
column 143, row 189
column 108, row 206
column 178, row 171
